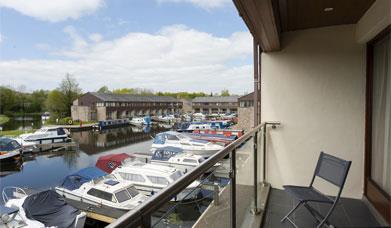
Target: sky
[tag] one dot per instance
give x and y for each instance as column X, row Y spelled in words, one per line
column 163, row 45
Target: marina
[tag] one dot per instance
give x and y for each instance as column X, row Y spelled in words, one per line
column 88, row 157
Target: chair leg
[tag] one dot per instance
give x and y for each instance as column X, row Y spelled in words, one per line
column 324, row 220
column 291, row 211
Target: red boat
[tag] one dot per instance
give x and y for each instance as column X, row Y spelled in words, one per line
column 109, row 162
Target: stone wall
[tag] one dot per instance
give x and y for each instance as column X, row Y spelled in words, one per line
column 245, row 118
column 80, row 113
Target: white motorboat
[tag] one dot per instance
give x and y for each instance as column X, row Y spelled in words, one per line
column 151, row 178
column 10, row 150
column 175, row 157
column 44, row 135
column 140, row 121
column 186, row 143
column 39, row 210
column 45, row 116
column 102, row 192
column 168, row 118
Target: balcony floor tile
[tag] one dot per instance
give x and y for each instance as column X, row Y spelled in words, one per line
column 348, row 213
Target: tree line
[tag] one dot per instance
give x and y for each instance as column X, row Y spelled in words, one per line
column 16, row 102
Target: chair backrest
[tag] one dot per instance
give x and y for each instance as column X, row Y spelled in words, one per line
column 332, row 169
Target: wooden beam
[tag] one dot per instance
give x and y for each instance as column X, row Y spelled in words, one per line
column 261, row 20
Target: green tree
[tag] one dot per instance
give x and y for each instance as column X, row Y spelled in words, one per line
column 8, row 99
column 55, row 103
column 103, row 89
column 225, row 93
column 70, row 90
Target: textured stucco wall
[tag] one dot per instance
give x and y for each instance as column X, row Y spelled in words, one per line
column 245, row 118
column 316, row 87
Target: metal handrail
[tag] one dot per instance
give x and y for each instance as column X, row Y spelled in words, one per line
column 140, row 216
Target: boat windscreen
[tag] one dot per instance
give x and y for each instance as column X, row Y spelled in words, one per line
column 133, row 191
column 175, row 176
column 122, row 196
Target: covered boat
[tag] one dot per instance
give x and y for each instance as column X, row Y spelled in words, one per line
column 75, row 180
column 109, row 162
column 42, row 209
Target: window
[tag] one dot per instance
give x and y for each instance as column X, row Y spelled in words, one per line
column 133, row 191
column 60, row 131
column 172, row 137
column 122, row 196
column 132, row 177
column 158, row 180
column 189, row 160
column 175, row 176
column 101, row 194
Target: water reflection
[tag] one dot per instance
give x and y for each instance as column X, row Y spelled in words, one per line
column 20, row 123
column 47, row 169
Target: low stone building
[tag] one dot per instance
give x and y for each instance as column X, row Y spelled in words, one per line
column 215, row 104
column 103, row 106
column 246, row 112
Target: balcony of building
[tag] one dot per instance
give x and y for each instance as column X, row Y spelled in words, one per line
column 322, row 71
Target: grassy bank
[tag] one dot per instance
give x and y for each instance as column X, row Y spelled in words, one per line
column 4, row 119
column 14, row 133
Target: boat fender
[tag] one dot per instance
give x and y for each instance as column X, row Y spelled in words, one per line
column 70, row 122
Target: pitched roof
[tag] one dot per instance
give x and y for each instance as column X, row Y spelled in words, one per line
column 217, row 99
column 247, row 97
column 132, row 98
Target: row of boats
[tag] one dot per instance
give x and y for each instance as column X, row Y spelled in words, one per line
column 118, row 183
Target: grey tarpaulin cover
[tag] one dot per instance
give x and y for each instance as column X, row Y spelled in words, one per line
column 49, row 208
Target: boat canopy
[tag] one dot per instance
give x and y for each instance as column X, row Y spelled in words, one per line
column 109, row 162
column 7, row 144
column 74, row 181
column 165, row 153
column 49, row 208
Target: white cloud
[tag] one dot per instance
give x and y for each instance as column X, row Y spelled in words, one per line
column 96, row 37
column 1, row 38
column 176, row 58
column 205, row 4
column 53, row 10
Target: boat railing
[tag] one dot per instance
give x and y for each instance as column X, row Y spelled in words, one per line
column 235, row 187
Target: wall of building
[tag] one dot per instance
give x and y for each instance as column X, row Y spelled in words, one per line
column 245, row 118
column 101, row 113
column 316, row 87
column 377, row 18
column 82, row 113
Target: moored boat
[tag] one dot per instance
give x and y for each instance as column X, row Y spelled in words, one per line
column 38, row 210
column 109, row 162
column 175, row 157
column 44, row 135
column 151, row 178
column 105, row 124
column 10, row 150
column 186, row 143
column 101, row 193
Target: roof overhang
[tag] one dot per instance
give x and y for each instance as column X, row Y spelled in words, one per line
column 267, row 19
column 260, row 19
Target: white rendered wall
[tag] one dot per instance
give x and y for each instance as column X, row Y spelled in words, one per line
column 316, row 87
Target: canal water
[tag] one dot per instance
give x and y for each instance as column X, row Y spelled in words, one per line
column 45, row 170
column 23, row 123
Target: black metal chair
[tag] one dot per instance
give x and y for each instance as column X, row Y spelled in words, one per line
column 329, row 168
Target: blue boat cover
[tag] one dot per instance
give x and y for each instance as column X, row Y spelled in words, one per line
column 165, row 153
column 74, row 181
column 49, row 208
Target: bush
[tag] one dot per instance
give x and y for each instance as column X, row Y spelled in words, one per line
column 65, row 121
